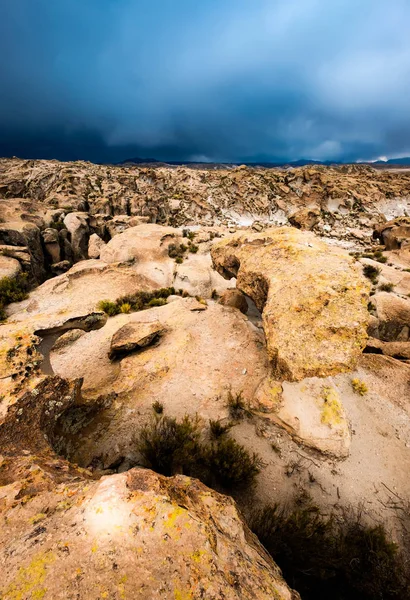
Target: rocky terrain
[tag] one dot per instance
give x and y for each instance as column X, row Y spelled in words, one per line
column 287, row 290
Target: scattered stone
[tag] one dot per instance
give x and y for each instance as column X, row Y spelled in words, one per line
column 134, row 337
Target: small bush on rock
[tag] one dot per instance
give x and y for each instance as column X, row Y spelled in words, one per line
column 371, row 273
column 158, row 407
column 169, row 446
column 386, row 287
column 110, row 308
column 324, row 557
column 12, row 289
column 136, row 302
column 231, row 464
column 217, row 429
column 237, row 407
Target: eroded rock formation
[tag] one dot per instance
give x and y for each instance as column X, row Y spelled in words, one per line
column 313, row 299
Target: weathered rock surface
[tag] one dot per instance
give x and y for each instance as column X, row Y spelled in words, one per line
column 77, row 225
column 9, row 267
column 52, row 244
column 23, row 234
column 131, row 535
column 395, row 234
column 313, row 299
column 94, row 246
column 398, row 350
column 393, row 317
column 305, row 218
column 233, row 196
column 234, row 298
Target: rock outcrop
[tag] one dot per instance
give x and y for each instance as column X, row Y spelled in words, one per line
column 313, row 299
column 133, row 535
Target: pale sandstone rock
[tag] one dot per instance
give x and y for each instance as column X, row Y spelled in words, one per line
column 20, row 233
column 305, row 218
column 393, row 314
column 77, row 225
column 133, row 337
column 94, row 246
column 400, row 279
column 394, row 234
column 313, row 298
column 234, row 298
column 399, row 350
column 312, row 411
column 9, row 267
column 146, row 247
column 197, row 277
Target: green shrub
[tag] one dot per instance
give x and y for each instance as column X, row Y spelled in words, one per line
column 136, row 302
column 371, row 273
column 158, row 407
column 169, row 446
column 125, row 308
column 177, row 251
column 386, row 287
column 237, row 407
column 12, row 289
column 58, row 225
column 217, row 429
column 193, row 248
column 231, row 464
column 324, row 557
column 157, row 302
column 110, row 308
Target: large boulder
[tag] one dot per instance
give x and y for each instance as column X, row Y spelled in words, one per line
column 9, row 267
column 393, row 317
column 313, row 298
column 197, row 277
column 135, row 535
column 27, row 235
column 146, row 247
column 305, row 218
column 94, row 246
column 394, row 234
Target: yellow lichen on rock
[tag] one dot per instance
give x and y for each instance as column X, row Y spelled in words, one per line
column 313, row 299
column 332, row 410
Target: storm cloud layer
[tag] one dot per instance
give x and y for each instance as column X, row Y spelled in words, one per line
column 219, row 80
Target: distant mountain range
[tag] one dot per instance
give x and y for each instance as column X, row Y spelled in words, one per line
column 297, row 163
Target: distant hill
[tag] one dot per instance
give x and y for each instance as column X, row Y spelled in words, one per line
column 267, row 165
column 394, row 161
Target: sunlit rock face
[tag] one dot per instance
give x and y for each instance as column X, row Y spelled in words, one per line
column 313, row 297
column 133, row 535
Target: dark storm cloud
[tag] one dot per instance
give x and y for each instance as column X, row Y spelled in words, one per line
column 218, row 80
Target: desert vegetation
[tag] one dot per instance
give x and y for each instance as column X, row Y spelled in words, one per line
column 12, row 290
column 170, row 446
column 324, row 556
column 136, row 302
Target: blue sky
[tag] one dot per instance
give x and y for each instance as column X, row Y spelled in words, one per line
column 220, row 80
